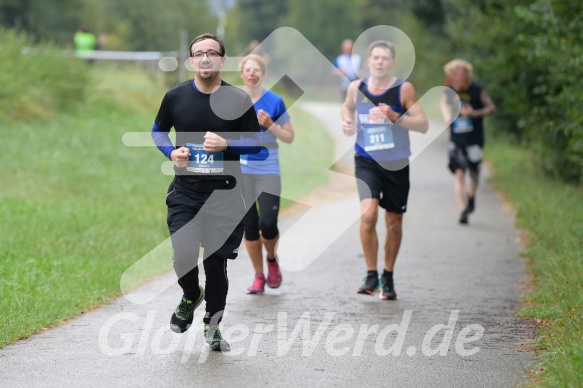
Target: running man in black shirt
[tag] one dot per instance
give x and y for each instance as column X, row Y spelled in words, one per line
column 214, row 123
column 466, row 132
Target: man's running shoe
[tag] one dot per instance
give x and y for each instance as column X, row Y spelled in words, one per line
column 370, row 285
column 182, row 316
column 273, row 275
column 387, row 289
column 471, row 205
column 464, row 217
column 258, row 285
column 215, row 340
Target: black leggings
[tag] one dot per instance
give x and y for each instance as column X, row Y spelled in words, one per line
column 263, row 191
column 215, row 289
column 218, row 227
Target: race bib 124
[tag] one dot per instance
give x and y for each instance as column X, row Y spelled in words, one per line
column 204, row 162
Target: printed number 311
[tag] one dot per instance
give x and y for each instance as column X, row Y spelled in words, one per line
column 378, row 138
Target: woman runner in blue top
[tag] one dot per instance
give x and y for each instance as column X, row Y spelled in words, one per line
column 261, row 175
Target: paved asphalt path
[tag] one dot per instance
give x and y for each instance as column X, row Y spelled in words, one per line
column 454, row 323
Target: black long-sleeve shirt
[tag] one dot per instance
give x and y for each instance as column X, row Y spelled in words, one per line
column 228, row 112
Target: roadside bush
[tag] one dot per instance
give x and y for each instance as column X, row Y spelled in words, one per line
column 529, row 55
column 555, row 41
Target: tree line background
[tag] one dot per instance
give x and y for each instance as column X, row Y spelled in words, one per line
column 527, row 53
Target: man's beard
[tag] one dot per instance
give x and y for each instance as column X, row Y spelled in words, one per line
column 209, row 72
column 206, row 75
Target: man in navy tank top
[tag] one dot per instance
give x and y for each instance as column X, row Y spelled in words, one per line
column 381, row 110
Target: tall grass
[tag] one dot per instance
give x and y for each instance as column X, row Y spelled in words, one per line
column 77, row 207
column 552, row 214
column 38, row 84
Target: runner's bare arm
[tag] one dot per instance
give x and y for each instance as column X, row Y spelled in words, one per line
column 348, row 109
column 445, row 109
column 489, row 107
column 414, row 119
column 284, row 132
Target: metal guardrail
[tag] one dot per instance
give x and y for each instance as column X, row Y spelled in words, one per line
column 126, row 55
column 167, row 61
column 113, row 55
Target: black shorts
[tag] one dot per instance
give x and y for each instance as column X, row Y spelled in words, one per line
column 218, row 228
column 465, row 158
column 391, row 188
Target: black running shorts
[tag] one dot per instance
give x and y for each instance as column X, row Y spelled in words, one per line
column 465, row 158
column 215, row 222
column 391, row 188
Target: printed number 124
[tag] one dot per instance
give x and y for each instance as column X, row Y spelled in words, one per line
column 204, row 158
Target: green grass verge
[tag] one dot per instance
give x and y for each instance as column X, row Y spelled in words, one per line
column 552, row 214
column 77, row 207
column 305, row 162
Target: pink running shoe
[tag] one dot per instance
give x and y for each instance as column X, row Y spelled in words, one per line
column 258, row 285
column 273, row 275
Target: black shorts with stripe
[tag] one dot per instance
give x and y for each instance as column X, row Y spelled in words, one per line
column 388, row 182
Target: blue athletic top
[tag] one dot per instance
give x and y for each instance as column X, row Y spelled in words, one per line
column 394, row 143
column 267, row 161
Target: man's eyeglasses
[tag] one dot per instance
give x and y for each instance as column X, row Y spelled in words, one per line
column 209, row 54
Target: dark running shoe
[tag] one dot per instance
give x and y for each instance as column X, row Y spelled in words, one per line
column 387, row 289
column 471, row 205
column 215, row 340
column 370, row 285
column 464, row 217
column 182, row 316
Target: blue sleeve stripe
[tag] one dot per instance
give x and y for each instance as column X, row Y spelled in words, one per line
column 156, row 128
column 162, row 140
column 246, row 145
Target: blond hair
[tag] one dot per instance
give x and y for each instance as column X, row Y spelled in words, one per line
column 451, row 66
column 255, row 58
